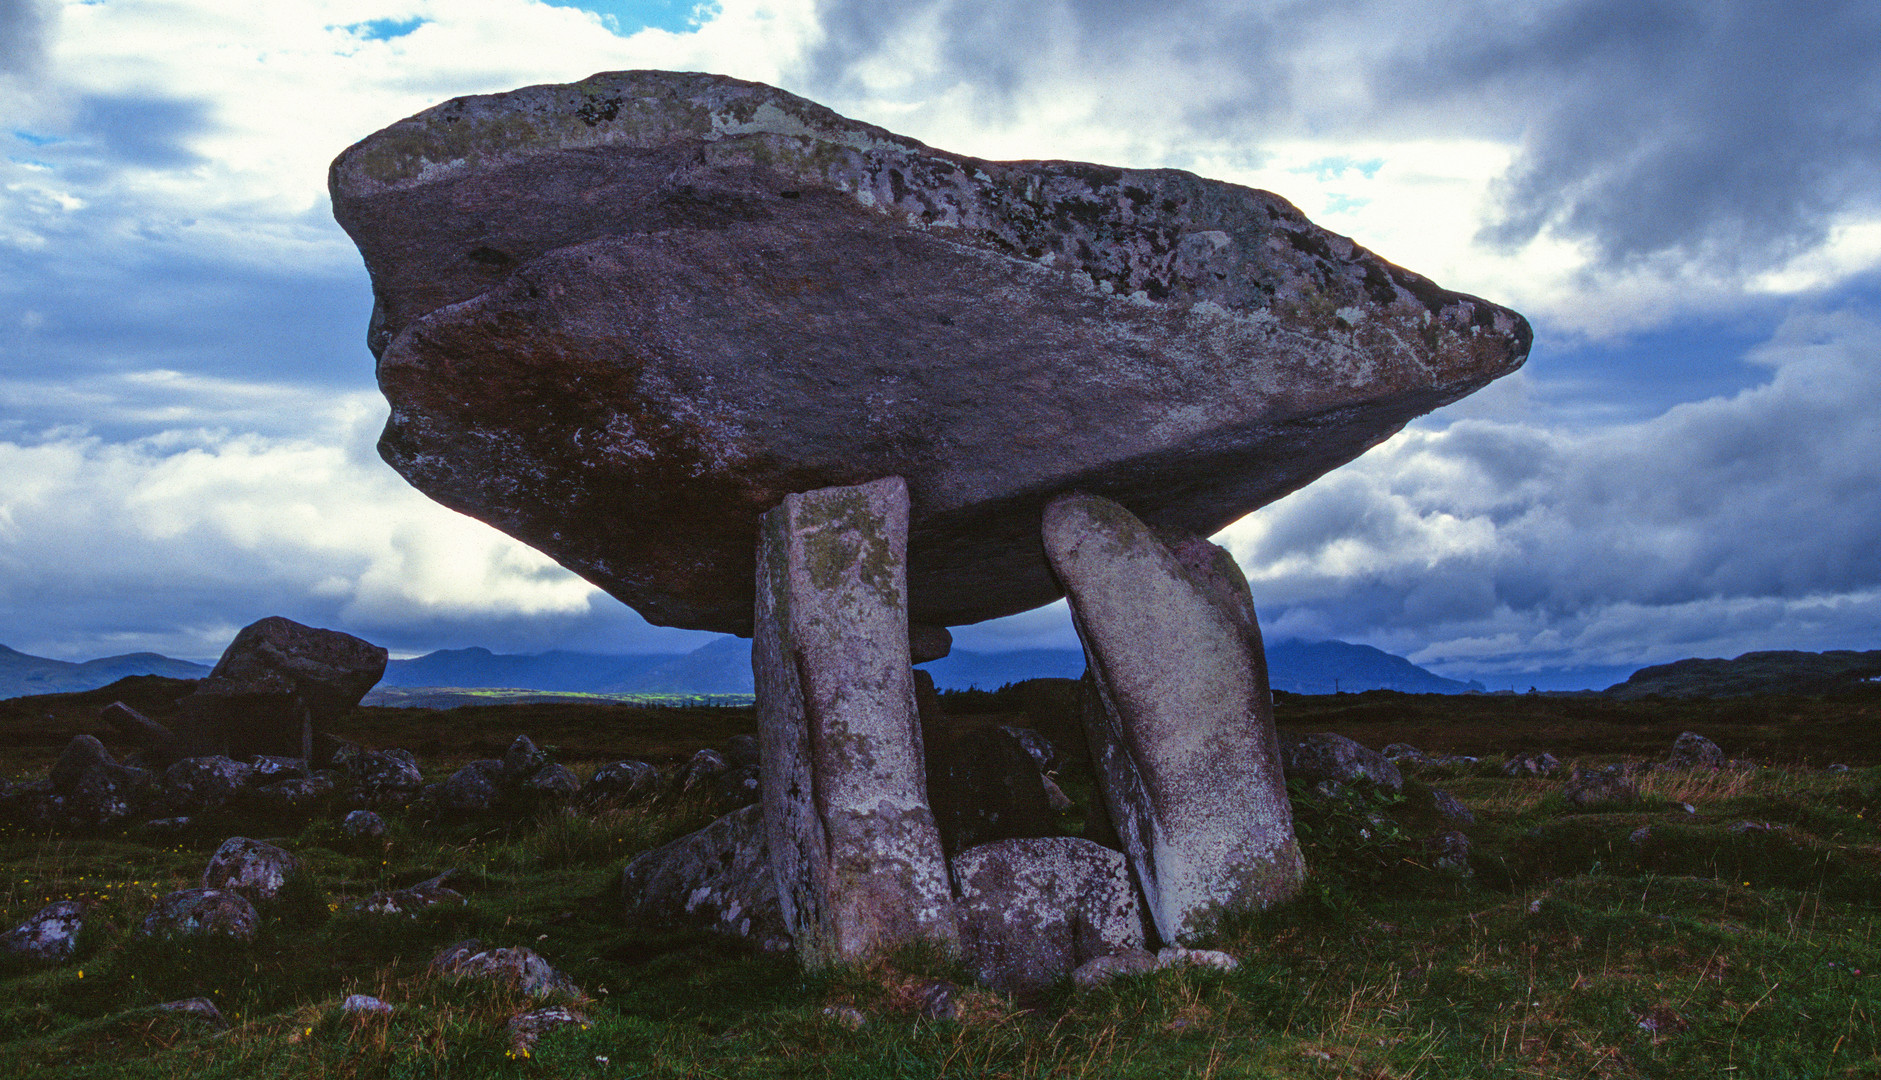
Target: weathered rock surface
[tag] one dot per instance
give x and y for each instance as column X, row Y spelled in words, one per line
column 1324, row 755
column 83, row 752
column 1693, row 751
column 202, row 911
column 429, row 893
column 466, row 791
column 1184, row 741
column 1531, row 765
column 205, row 783
column 621, row 319
column 1587, row 789
column 1033, row 910
column 847, row 822
column 623, row 781
column 387, row 776
column 522, row 970
column 526, row 1028
column 50, row 936
column 718, row 878
column 363, row 824
column 254, row 868
column 275, row 685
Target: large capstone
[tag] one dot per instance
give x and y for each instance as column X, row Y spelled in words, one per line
column 1182, row 734
column 847, row 822
column 620, row 319
column 277, row 684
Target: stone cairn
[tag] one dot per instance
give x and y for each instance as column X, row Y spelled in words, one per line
column 756, row 368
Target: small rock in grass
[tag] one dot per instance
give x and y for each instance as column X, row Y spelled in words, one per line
column 1838, row 768
column 411, row 901
column 49, row 937
column 386, row 775
column 363, row 824
column 1693, row 751
column 1448, row 851
column 1176, row 956
column 520, row 969
column 199, row 1007
column 522, row 759
column 202, row 911
column 1406, row 754
column 254, row 868
column 552, row 782
column 703, row 766
column 365, row 1003
column 469, row 790
column 1325, row 755
column 1531, row 765
column 1640, row 835
column 1101, row 970
column 623, row 782
column 939, row 1000
column 1589, row 788
column 205, row 783
column 846, row 1015
column 83, row 752
column 526, row 1028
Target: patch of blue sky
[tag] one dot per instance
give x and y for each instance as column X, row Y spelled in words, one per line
column 32, row 138
column 1339, row 204
column 384, row 29
column 1333, row 168
column 625, row 17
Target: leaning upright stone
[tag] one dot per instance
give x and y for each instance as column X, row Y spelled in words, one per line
column 1183, row 740
column 852, row 838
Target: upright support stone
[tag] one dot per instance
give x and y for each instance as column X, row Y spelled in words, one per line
column 1183, row 742
column 852, row 838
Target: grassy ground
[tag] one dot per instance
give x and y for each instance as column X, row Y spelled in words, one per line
column 1702, row 948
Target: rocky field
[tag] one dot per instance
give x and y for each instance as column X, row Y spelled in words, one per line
column 1591, row 895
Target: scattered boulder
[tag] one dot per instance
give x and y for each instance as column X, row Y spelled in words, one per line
column 1177, row 956
column 466, row 791
column 1405, row 754
column 1531, row 766
column 1180, row 718
column 1033, row 910
column 850, row 834
column 429, row 893
column 525, row 1028
column 1448, row 850
column 701, row 769
column 624, row 782
column 1587, row 789
column 196, row 784
column 270, row 768
column 519, row 969
column 718, row 878
column 1693, row 751
column 1451, row 809
column 108, row 793
column 202, row 911
column 363, row 824
column 386, row 776
column 1326, row 756
column 254, row 868
column 366, row 1005
column 553, row 782
column 938, row 1000
column 50, row 936
column 197, row 1008
column 293, row 793
column 738, row 787
column 83, row 752
column 742, row 752
column 522, row 759
column 686, row 264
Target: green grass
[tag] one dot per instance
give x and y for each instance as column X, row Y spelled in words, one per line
column 1744, row 952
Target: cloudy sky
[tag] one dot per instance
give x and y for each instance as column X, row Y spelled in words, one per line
column 1683, row 195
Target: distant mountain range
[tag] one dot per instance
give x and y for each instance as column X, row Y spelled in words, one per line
column 1796, row 673
column 22, row 675
column 723, row 666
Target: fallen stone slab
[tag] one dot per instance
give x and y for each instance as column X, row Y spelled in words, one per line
column 1325, row 755
column 620, row 319
column 849, row 831
column 1033, row 910
column 1182, row 725
column 202, row 911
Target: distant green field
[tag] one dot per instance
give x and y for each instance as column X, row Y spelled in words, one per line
column 451, row 697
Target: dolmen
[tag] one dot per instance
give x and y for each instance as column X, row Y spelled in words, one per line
column 756, row 368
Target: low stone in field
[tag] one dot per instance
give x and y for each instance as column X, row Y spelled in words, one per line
column 202, row 911
column 718, row 878
column 1032, row 910
column 50, row 936
column 1325, row 755
column 254, row 868
column 1693, row 751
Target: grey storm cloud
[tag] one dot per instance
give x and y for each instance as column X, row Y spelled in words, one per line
column 1733, row 131
column 147, row 131
column 1754, row 518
